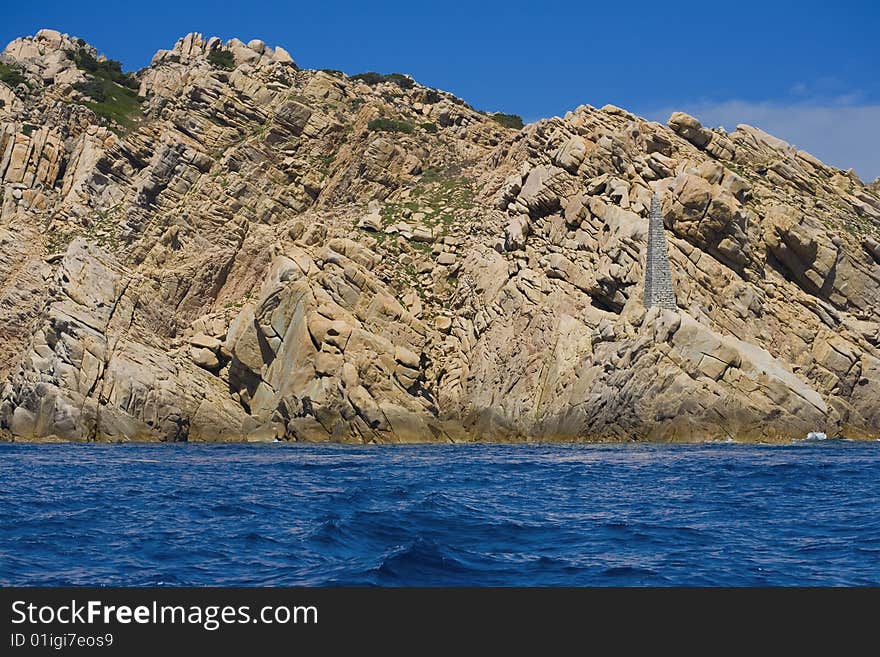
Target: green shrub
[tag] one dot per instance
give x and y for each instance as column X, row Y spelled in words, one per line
column 400, row 80
column 12, row 75
column 372, row 78
column 429, row 126
column 85, row 61
column 92, row 88
column 28, row 129
column 128, row 80
column 507, row 120
column 432, row 96
column 389, row 125
column 221, row 59
column 108, row 69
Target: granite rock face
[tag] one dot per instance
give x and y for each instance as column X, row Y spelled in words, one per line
column 251, row 251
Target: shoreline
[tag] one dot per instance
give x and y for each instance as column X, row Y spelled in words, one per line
column 52, row 440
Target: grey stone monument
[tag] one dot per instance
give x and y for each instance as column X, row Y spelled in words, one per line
column 658, row 277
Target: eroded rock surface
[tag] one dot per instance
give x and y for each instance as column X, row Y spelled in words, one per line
column 251, row 251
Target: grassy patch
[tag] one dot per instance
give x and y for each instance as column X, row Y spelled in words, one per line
column 262, row 130
column 428, row 126
column 512, row 121
column 115, row 103
column 113, row 93
column 221, row 59
column 859, row 226
column 326, row 162
column 742, row 172
column 104, row 228
column 58, row 241
column 393, row 212
column 431, row 175
column 443, row 198
column 389, row 125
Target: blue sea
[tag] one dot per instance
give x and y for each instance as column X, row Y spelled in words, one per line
column 486, row 515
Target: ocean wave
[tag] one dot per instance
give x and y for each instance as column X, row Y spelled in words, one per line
column 804, row 514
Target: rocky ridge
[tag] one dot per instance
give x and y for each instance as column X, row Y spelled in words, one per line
column 236, row 248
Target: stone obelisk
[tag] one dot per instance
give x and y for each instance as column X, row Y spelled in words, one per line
column 658, row 277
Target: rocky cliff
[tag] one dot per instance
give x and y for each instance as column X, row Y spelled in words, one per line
column 224, row 247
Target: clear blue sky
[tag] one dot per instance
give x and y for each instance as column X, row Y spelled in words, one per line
column 806, row 71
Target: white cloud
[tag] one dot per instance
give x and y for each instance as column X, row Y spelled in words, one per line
column 839, row 133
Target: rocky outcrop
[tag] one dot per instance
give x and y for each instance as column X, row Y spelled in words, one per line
column 47, row 56
column 262, row 253
column 327, row 354
column 88, row 374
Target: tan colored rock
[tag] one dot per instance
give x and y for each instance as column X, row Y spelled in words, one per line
column 371, row 222
column 517, row 232
column 205, row 341
column 446, row 259
column 801, row 245
column 689, row 128
column 571, row 154
column 204, row 358
column 709, row 217
column 209, row 272
column 282, row 56
column 442, row 323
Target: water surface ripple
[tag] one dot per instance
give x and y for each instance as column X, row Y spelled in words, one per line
column 805, row 514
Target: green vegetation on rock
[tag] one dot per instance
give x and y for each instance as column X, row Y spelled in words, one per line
column 221, row 59
column 113, row 93
column 12, row 75
column 372, row 78
column 106, row 69
column 92, row 88
column 389, row 125
column 507, row 120
column 114, row 102
column 443, row 195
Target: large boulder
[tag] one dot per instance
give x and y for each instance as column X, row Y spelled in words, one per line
column 800, row 244
column 543, row 190
column 690, row 129
column 709, row 217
